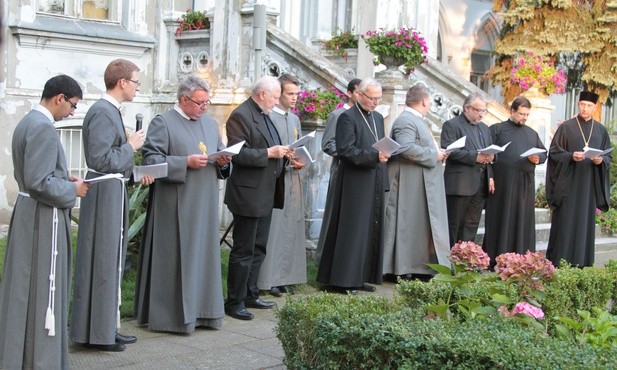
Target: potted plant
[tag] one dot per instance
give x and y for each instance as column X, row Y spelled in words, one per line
column 192, row 20
column 340, row 42
column 531, row 72
column 404, row 46
column 318, row 103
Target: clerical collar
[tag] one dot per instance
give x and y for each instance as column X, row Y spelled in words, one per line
column 514, row 123
column 179, row 110
column 279, row 111
column 414, row 112
column 112, row 100
column 45, row 111
column 362, row 110
column 257, row 105
column 347, row 106
column 581, row 120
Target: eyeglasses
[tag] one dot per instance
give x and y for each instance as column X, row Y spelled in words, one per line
column 481, row 111
column 73, row 105
column 201, row 104
column 133, row 81
column 374, row 100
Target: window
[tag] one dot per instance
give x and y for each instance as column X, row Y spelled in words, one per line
column 86, row 9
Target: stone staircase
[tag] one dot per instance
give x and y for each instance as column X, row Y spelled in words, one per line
column 606, row 246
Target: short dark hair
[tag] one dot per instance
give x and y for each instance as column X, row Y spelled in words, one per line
column 61, row 84
column 286, row 79
column 520, row 102
column 119, row 69
column 353, row 84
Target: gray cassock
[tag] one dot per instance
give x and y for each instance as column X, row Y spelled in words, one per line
column 41, row 172
column 179, row 284
column 416, row 220
column 103, row 214
column 285, row 262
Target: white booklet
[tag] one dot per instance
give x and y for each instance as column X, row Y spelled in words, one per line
column 493, row 149
column 303, row 156
column 303, row 140
column 460, row 143
column 387, row 145
column 155, row 170
column 230, row 151
column 104, row 177
column 533, row 151
column 591, row 152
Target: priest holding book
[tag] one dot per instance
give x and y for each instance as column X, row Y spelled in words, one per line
column 577, row 185
column 510, row 211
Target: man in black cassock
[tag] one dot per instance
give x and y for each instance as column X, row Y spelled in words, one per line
column 510, row 219
column 576, row 185
column 353, row 245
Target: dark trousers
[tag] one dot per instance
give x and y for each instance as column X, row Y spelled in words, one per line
column 464, row 213
column 250, row 236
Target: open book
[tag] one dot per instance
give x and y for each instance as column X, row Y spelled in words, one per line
column 157, row 170
column 591, row 152
column 303, row 156
column 493, row 149
column 387, row 145
column 230, row 151
column 533, row 151
column 460, row 143
column 303, row 140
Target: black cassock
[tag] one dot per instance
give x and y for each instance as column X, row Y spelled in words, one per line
column 353, row 245
column 510, row 219
column 575, row 190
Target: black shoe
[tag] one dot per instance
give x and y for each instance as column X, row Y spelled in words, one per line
column 367, row 288
column 240, row 314
column 125, row 339
column 259, row 303
column 116, row 347
column 275, row 291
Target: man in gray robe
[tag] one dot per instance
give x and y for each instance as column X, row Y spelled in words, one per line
column 33, row 306
column 328, row 145
column 285, row 262
column 103, row 221
column 179, row 285
column 416, row 220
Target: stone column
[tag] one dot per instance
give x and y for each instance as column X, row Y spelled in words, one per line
column 540, row 120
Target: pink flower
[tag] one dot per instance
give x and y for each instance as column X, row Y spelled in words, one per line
column 529, row 310
column 470, row 255
column 503, row 311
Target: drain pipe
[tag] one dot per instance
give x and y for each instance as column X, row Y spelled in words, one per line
column 259, row 37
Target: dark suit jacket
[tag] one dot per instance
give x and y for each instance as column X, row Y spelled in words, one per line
column 256, row 184
column 463, row 176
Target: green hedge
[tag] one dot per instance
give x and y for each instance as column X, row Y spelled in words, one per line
column 337, row 332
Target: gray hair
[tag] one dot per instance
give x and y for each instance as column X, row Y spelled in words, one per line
column 265, row 83
column 472, row 97
column 416, row 94
column 369, row 82
column 190, row 84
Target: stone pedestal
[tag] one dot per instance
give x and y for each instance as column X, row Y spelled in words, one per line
column 540, row 120
column 315, row 178
column 394, row 88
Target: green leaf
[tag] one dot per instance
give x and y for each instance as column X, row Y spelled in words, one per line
column 440, row 268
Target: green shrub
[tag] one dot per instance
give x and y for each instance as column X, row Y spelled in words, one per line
column 334, row 332
column 573, row 289
column 416, row 293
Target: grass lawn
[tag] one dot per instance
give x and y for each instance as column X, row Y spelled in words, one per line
column 130, row 277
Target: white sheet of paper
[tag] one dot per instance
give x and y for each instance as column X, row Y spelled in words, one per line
column 303, row 156
column 303, row 140
column 231, row 151
column 493, row 149
column 104, row 177
column 460, row 143
column 387, row 145
column 533, row 151
column 592, row 152
column 155, row 170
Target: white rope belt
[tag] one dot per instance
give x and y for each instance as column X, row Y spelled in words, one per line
column 123, row 182
column 50, row 318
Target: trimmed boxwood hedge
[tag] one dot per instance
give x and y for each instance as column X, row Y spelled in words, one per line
column 343, row 332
